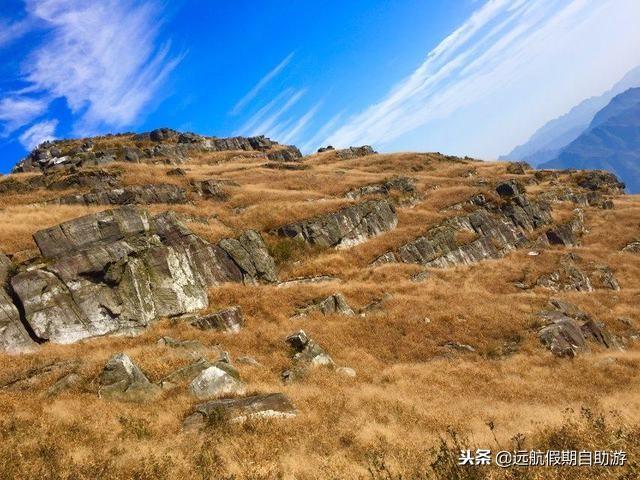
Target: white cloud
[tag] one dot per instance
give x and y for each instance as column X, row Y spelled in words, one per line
column 251, row 94
column 296, row 128
column 485, row 75
column 101, row 57
column 10, row 31
column 38, row 133
column 315, row 141
column 17, row 111
column 267, row 125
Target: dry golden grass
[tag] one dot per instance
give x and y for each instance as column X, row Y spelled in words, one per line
column 388, row 422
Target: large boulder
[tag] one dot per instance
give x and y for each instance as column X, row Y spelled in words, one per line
column 346, row 227
column 273, row 405
column 123, row 380
column 118, row 270
column 14, row 337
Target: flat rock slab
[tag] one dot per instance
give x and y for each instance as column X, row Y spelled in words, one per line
column 273, row 405
column 346, row 227
column 214, row 382
column 228, row 320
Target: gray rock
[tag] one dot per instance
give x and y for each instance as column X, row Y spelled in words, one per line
column 401, row 185
column 214, row 382
column 385, row 258
column 134, row 195
column 117, row 271
column 5, row 268
column 274, row 405
column 123, row 380
column 211, row 189
column 65, row 383
column 14, row 338
column 355, row 152
column 176, row 172
column 228, row 320
column 250, row 253
column 346, row 227
column 308, row 355
column 186, row 373
column 420, row 277
column 563, row 337
column 510, row 188
column 568, row 233
column 601, row 181
column 632, row 247
column 460, row 347
column 331, row 305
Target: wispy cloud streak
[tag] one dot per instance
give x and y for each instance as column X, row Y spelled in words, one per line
column 478, row 59
column 38, row 133
column 251, row 94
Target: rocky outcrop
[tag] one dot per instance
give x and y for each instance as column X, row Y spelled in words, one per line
column 490, row 231
column 273, row 405
column 569, row 330
column 14, row 337
column 133, row 195
column 331, row 305
column 568, row 233
column 355, row 152
column 346, row 227
column 118, row 270
column 600, row 181
column 123, row 380
column 401, row 185
column 62, row 181
column 162, row 144
column 228, row 320
column 307, row 280
column 574, row 274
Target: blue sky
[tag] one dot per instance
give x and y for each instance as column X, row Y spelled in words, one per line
column 462, row 77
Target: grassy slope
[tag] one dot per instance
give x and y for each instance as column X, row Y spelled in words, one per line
column 409, row 387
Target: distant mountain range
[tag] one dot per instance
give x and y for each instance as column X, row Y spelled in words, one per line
column 597, row 133
column 612, row 142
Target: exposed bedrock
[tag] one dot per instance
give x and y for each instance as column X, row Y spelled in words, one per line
column 346, row 227
column 118, row 270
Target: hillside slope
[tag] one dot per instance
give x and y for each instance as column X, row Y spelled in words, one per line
column 445, row 302
column 611, row 143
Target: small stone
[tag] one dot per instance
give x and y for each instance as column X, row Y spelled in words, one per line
column 250, row 361
column 510, row 188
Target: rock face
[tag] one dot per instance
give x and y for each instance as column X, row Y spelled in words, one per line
column 346, row 227
column 567, row 234
column 118, row 270
column 123, row 380
column 569, row 330
column 494, row 230
column 354, row 152
column 273, row 405
column 135, row 195
column 214, row 382
column 14, row 338
column 229, row 320
column 401, row 185
column 162, row 144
